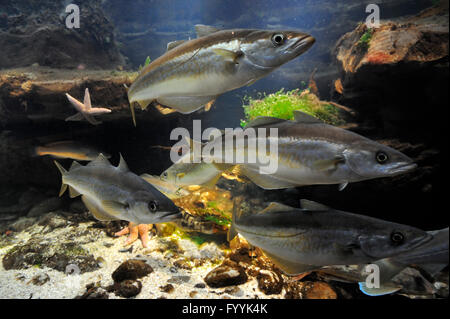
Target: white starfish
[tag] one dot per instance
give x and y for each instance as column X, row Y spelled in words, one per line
column 86, row 110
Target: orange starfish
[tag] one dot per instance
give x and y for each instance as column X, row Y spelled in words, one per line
column 136, row 231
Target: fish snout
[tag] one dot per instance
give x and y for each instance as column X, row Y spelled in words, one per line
column 402, row 168
column 302, row 44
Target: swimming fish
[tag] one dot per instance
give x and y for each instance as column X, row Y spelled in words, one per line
column 69, row 149
column 187, row 174
column 192, row 74
column 115, row 193
column 309, row 153
column 169, row 189
column 85, row 109
column 302, row 240
column 431, row 257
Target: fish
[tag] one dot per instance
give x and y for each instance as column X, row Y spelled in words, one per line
column 432, row 257
column 307, row 239
column 309, row 152
column 193, row 73
column 116, row 193
column 170, row 190
column 187, row 174
column 85, row 109
column 69, row 149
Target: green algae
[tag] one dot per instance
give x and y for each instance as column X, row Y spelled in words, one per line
column 364, row 41
column 282, row 105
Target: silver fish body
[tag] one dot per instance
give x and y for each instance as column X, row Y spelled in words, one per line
column 195, row 72
column 300, row 240
column 310, row 153
column 115, row 193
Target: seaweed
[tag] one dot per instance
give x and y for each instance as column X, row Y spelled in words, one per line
column 364, row 41
column 282, row 105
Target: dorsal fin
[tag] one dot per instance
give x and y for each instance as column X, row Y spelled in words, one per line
column 301, row 117
column 122, row 164
column 204, row 30
column 313, row 206
column 276, row 207
column 74, row 165
column 174, row 44
column 101, row 159
column 264, row 120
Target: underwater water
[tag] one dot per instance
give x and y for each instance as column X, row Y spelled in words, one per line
column 354, row 91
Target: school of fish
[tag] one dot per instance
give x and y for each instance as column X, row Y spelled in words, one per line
column 191, row 75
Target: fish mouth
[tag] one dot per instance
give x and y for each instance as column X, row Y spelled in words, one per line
column 403, row 168
column 171, row 216
column 302, row 44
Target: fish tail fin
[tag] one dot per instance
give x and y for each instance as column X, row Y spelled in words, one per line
column 381, row 291
column 63, row 172
column 232, row 232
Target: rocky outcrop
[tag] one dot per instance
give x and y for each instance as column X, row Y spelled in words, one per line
column 36, row 33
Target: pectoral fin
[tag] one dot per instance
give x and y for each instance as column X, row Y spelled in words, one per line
column 289, row 267
column 113, row 208
column 381, row 291
column 328, row 164
column 228, row 55
column 266, row 181
column 98, row 214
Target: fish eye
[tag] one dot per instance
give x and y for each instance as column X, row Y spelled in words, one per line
column 153, row 205
column 381, row 157
column 278, row 39
column 397, row 237
column 164, row 174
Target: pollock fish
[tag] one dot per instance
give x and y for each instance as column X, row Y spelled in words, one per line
column 169, row 189
column 192, row 74
column 431, row 257
column 187, row 174
column 302, row 240
column 69, row 149
column 85, row 109
column 115, row 193
column 309, row 152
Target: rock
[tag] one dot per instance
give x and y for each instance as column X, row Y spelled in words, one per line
column 52, row 221
column 269, row 282
column 94, row 291
column 179, row 279
column 56, row 255
column 182, row 264
column 128, row 288
column 39, row 279
column 32, row 35
column 46, row 206
column 23, row 223
column 227, row 274
column 169, row 288
column 131, row 269
column 200, row 285
column 317, row 290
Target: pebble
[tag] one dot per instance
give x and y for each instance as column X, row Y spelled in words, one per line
column 131, row 269
column 227, row 274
